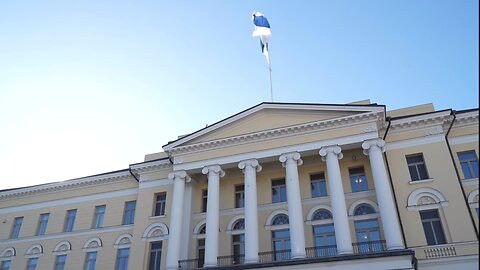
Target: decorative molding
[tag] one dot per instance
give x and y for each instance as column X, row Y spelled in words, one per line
column 34, row 251
column 294, row 156
column 314, row 209
column 155, row 183
column 470, row 182
column 466, row 119
column 92, row 244
column 74, row 200
column 179, row 175
column 155, row 232
column 331, row 149
column 472, row 138
column 270, row 134
column 372, row 128
column 473, row 199
column 421, row 181
column 434, row 131
column 271, row 216
column 351, row 209
column 414, row 122
column 415, row 142
column 123, row 241
column 151, row 166
column 103, row 179
column 198, row 227
column 249, row 163
column 62, row 248
column 230, row 230
column 8, row 253
column 426, row 198
column 369, row 145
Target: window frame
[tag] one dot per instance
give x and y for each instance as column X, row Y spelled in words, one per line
column 17, row 226
column 416, row 165
column 70, row 219
column 204, row 200
column 281, row 186
column 239, row 196
column 158, row 254
column 2, row 264
column 59, row 263
column 99, row 217
column 42, row 224
column 469, row 162
column 160, row 204
column 122, row 259
column 31, row 266
column 356, row 179
column 318, row 179
column 129, row 212
column 87, row 264
column 430, row 221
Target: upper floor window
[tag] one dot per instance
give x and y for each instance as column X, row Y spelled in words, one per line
column 280, row 219
column 70, row 220
column 99, row 215
column 239, row 196
column 42, row 224
column 204, row 200
column 358, row 180
column 160, row 204
column 32, row 263
column 363, row 209
column 17, row 224
column 318, row 185
column 239, row 225
column 417, row 168
column 90, row 260
column 279, row 191
column 5, row 265
column 129, row 212
column 322, row 214
column 432, row 227
column 60, row 261
column 469, row 164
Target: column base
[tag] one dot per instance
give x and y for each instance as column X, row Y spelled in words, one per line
column 210, row 264
column 251, row 260
column 344, row 252
column 395, row 247
column 299, row 255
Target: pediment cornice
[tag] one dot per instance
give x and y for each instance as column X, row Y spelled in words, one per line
column 295, row 130
column 466, row 119
column 421, row 121
column 102, row 179
column 151, row 166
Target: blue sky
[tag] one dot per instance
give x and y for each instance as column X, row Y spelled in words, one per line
column 91, row 86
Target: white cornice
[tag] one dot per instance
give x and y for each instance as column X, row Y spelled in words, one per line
column 150, row 166
column 466, row 119
column 359, row 109
column 425, row 120
column 69, row 184
column 294, row 130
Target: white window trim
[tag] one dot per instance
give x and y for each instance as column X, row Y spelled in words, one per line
column 351, row 209
column 471, row 199
column 148, row 234
column 423, row 181
column 3, row 255
column 86, row 247
column 196, row 230
column 118, row 244
column 312, row 211
column 29, row 254
column 58, row 251
column 268, row 224
column 437, row 196
column 232, row 222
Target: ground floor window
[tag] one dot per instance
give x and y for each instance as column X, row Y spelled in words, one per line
column 155, row 256
column 238, row 246
column 201, row 252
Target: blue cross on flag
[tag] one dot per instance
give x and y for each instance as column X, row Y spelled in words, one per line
column 262, row 30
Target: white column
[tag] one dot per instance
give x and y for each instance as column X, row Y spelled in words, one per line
column 294, row 201
column 179, row 178
column 388, row 212
column 331, row 155
column 250, row 167
column 213, row 173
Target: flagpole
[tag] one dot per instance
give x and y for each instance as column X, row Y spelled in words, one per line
column 270, row 73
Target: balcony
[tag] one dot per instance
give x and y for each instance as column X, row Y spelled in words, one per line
column 447, row 250
column 271, row 258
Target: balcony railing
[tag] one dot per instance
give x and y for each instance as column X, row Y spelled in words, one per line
column 369, row 247
column 322, row 251
column 285, row 255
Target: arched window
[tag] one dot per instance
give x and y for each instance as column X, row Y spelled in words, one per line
column 280, row 219
column 203, row 229
column 239, row 225
column 363, row 209
column 322, row 214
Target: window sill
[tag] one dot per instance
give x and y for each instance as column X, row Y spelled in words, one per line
column 156, row 217
column 421, row 181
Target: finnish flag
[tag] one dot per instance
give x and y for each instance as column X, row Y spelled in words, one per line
column 262, row 30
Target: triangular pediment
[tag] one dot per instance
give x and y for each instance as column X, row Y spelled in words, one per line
column 271, row 116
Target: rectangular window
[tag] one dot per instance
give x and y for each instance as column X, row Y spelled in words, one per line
column 70, row 221
column 324, row 240
column 98, row 217
column 6, row 265
column 160, row 203
column 469, row 164
column 318, row 185
column 155, row 256
column 90, row 260
column 358, row 180
column 417, row 168
column 60, row 261
column 129, row 212
column 204, row 201
column 432, row 226
column 32, row 263
column 201, row 252
column 279, row 191
column 17, row 224
column 281, row 245
column 239, row 196
column 238, row 246
column 42, row 224
column 122, row 259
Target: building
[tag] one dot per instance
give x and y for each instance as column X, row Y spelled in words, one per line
column 277, row 186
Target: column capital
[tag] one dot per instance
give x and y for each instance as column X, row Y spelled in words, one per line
column 369, row 145
column 216, row 169
column 331, row 149
column 179, row 175
column 250, row 163
column 295, row 156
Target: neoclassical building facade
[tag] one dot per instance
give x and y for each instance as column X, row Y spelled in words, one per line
column 276, row 186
